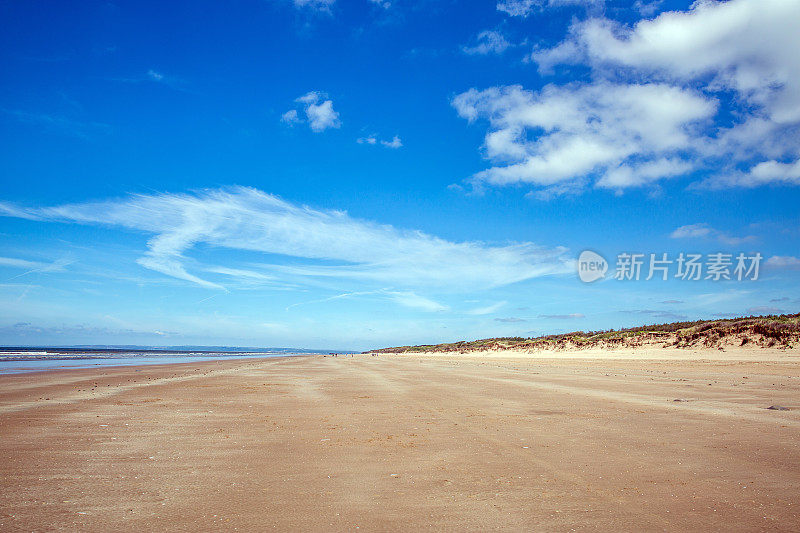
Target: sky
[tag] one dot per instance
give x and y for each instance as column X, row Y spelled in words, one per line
column 352, row 174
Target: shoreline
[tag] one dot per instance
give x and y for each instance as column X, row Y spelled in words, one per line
column 114, row 362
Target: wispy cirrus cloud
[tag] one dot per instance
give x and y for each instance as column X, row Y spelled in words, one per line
column 394, row 143
column 487, row 310
column 156, row 77
column 510, row 320
column 523, row 8
column 321, row 6
column 704, row 231
column 764, row 310
column 415, row 301
column 488, row 42
column 60, row 123
column 570, row 316
column 324, row 244
column 32, row 267
column 657, row 313
column 408, row 299
column 20, row 263
column 783, row 262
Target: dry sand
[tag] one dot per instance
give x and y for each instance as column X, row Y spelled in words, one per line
column 407, row 443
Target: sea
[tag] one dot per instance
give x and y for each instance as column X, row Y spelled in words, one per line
column 15, row 359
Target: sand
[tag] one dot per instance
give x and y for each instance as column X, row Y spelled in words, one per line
column 407, row 443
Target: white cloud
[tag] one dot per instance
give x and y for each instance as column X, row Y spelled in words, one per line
column 516, row 8
column 784, row 262
column 156, row 76
column 764, row 173
column 622, row 135
column 315, row 5
column 394, row 143
column 523, row 8
column 381, row 3
column 326, row 245
column 408, row 299
column 373, row 140
column 702, row 230
column 32, row 267
column 58, row 123
column 20, row 263
column 487, row 310
column 488, row 42
column 290, row 117
column 415, row 301
column 647, row 8
column 691, row 231
column 723, row 39
column 241, row 273
column 318, row 110
column 744, row 46
column 764, row 310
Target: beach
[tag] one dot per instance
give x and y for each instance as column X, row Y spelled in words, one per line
column 671, row 440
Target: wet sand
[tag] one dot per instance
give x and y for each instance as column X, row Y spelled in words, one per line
column 405, row 443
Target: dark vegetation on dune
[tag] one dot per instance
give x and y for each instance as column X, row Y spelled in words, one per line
column 763, row 331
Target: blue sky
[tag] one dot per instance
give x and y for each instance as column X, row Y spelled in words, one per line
column 352, row 174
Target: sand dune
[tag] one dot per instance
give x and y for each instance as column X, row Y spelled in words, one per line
column 389, row 442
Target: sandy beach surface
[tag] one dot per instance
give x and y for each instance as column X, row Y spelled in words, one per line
column 557, row 442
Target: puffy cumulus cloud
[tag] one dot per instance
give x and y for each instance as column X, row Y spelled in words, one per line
column 318, row 109
column 745, row 47
column 523, row 8
column 723, row 40
column 324, row 245
column 620, row 135
column 488, row 42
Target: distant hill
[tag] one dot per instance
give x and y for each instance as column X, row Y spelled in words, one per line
column 761, row 331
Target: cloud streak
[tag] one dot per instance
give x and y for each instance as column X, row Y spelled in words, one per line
column 304, row 244
column 704, row 231
column 373, row 140
column 488, row 42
